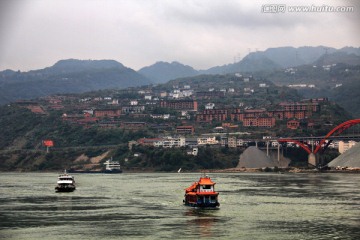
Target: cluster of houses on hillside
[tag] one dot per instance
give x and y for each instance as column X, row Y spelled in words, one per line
column 93, row 112
column 109, row 115
column 223, row 141
column 294, row 113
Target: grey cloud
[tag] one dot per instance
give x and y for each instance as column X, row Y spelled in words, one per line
column 201, row 33
column 234, row 14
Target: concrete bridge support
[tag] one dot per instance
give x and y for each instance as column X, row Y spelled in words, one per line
column 312, row 159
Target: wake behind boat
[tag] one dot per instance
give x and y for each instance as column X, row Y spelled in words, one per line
column 202, row 194
column 65, row 183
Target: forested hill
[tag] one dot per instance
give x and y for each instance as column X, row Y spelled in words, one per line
column 68, row 76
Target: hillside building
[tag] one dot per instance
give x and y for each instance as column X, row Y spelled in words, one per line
column 107, row 112
column 180, row 104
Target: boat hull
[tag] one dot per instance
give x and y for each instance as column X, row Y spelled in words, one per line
column 201, row 201
column 65, row 189
column 89, row 171
column 202, row 205
column 112, row 171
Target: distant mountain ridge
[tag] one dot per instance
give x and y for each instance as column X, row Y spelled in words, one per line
column 251, row 63
column 76, row 76
column 162, row 72
column 74, row 65
column 290, row 56
column 270, row 59
column 68, row 76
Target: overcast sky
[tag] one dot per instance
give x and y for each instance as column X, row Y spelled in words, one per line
column 35, row 34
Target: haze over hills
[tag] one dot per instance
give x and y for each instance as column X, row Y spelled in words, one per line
column 68, row 76
column 251, row 63
column 270, row 59
column 162, row 72
column 77, row 76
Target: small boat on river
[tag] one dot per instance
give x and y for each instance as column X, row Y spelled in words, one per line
column 65, row 183
column 202, row 194
column 112, row 166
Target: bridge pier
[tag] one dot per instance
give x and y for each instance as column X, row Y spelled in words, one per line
column 312, row 159
column 278, row 151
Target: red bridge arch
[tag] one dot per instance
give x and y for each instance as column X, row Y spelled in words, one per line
column 337, row 130
column 302, row 145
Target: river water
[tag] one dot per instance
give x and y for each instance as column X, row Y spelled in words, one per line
column 149, row 206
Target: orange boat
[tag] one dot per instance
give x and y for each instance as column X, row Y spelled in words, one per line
column 202, row 194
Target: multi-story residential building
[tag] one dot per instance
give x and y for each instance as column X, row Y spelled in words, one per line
column 185, row 129
column 300, row 106
column 180, row 104
column 132, row 109
column 170, row 142
column 259, row 122
column 232, row 142
column 344, row 146
column 160, row 116
column 191, row 142
column 163, row 94
column 224, row 141
column 265, row 118
column 147, row 97
column 241, row 143
column 187, row 93
column 239, row 114
column 209, row 115
column 206, row 140
column 107, row 112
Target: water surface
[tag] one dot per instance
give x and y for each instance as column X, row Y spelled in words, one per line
column 149, row 206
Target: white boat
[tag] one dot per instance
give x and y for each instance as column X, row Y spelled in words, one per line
column 65, row 183
column 112, row 166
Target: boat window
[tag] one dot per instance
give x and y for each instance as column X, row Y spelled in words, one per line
column 206, row 186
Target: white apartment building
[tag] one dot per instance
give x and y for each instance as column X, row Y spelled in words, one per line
column 344, row 146
column 170, row 142
column 206, row 140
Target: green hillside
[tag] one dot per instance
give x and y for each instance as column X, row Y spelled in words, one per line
column 67, row 76
column 61, row 118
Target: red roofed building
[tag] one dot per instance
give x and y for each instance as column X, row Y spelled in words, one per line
column 148, row 141
column 293, row 124
column 107, row 112
column 180, row 104
column 185, row 130
column 259, row 122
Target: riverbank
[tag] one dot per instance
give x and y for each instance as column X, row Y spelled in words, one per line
column 227, row 170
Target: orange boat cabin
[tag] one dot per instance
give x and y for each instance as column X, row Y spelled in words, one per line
column 202, row 194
